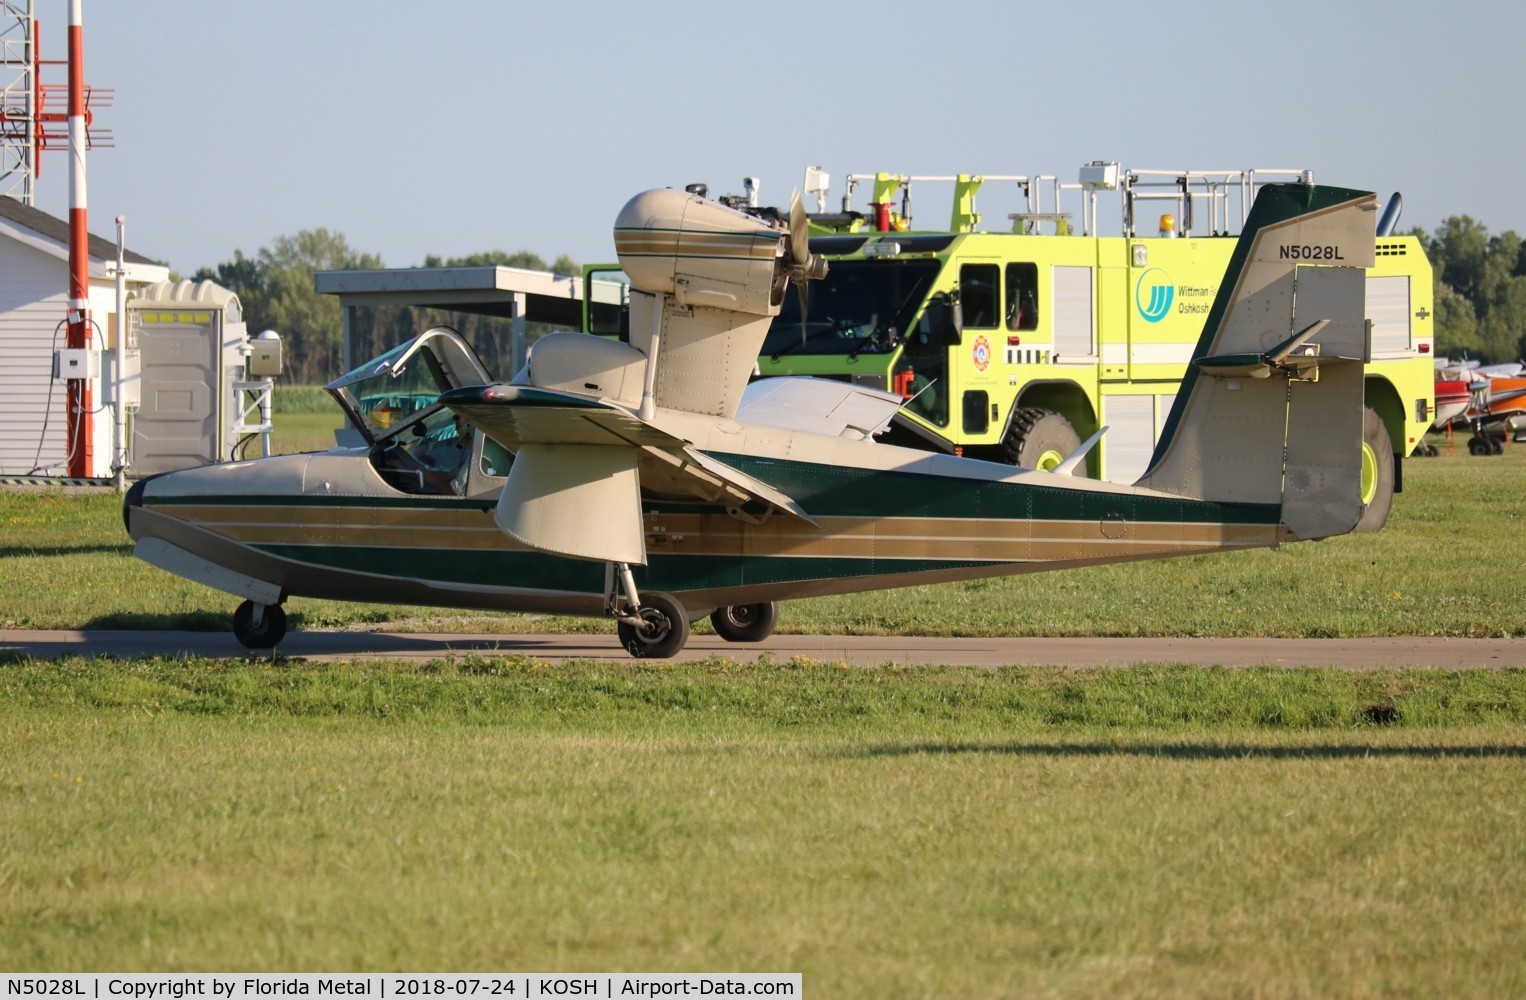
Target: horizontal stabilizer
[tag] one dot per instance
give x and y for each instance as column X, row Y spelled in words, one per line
column 1294, row 356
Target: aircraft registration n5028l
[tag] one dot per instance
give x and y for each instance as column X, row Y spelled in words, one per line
column 648, row 482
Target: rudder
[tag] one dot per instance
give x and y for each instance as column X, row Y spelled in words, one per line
column 1270, row 411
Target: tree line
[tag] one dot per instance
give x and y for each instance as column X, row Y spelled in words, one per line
column 275, row 289
column 1480, row 292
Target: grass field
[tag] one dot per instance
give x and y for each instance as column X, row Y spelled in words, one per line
column 1446, row 565
column 935, row 832
column 919, row 833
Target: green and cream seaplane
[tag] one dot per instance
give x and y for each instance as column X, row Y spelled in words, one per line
column 646, row 481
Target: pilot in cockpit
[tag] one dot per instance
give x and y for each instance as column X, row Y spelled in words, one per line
column 444, row 459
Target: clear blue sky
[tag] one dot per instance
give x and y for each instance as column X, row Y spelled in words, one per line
column 455, row 126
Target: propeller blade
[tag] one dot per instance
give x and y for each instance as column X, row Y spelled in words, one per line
column 801, row 289
column 799, row 229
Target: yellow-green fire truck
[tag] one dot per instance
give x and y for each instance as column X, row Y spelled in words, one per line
column 1017, row 346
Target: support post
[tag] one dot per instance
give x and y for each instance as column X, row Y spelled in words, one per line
column 81, row 452
column 519, row 350
column 118, row 390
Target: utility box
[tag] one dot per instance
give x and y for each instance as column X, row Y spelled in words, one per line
column 191, row 344
column 265, row 355
column 76, row 362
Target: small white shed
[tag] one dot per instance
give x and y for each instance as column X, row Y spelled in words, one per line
column 34, row 286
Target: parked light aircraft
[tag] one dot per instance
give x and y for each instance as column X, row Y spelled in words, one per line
column 649, row 484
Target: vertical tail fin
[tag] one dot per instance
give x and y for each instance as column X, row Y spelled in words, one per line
column 1271, row 409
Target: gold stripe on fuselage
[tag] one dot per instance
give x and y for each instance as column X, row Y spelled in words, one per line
column 943, row 539
column 691, row 244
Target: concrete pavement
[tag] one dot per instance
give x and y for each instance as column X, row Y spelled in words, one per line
column 1356, row 654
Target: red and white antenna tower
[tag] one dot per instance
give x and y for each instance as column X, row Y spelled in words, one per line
column 34, row 113
column 37, row 116
column 81, row 441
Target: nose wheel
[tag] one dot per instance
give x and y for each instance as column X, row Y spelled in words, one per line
column 662, row 631
column 259, row 626
column 650, row 627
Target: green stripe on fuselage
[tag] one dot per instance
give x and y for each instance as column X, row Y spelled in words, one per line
column 830, row 490
column 543, row 571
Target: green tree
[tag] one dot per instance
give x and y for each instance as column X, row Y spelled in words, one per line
column 1460, row 249
column 1480, row 290
column 275, row 288
column 1456, row 324
column 525, row 259
column 1502, row 330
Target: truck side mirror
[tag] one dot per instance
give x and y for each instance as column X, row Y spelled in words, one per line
column 944, row 318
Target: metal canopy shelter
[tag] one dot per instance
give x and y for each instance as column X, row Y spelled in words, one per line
column 515, row 293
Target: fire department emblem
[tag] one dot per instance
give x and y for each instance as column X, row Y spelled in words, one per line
column 982, row 353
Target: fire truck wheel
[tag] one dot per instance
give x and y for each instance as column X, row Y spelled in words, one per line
column 1039, row 439
column 1377, row 472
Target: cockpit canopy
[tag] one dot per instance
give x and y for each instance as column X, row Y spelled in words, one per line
column 402, row 387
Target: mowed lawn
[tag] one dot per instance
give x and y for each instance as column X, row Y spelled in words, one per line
column 1162, row 831
column 1155, row 831
column 1447, row 564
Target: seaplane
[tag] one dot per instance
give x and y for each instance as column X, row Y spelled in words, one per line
column 646, row 481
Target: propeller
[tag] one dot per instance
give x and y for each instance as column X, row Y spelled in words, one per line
column 804, row 265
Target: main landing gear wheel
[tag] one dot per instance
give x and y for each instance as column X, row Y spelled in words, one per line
column 1377, row 472
column 745, row 622
column 663, row 631
column 1039, row 439
column 1482, row 444
column 265, row 633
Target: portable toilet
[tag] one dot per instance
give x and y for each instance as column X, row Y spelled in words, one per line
column 191, row 342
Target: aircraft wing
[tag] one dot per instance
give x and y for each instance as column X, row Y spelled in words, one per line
column 582, row 465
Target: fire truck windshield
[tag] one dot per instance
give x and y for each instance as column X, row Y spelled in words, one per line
column 860, row 307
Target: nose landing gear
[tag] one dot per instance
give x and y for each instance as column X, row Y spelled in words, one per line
column 259, row 626
column 653, row 628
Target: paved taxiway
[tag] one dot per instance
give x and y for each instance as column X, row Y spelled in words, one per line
column 1356, row 654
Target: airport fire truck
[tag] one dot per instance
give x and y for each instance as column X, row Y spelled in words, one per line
column 1017, row 346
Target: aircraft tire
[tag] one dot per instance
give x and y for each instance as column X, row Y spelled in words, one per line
column 664, row 634
column 745, row 622
column 1377, row 472
column 1039, row 439
column 266, row 635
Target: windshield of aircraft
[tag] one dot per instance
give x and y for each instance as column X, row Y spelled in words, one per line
column 860, row 307
column 403, row 386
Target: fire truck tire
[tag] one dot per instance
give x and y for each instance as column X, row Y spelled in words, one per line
column 1039, row 439
column 1377, row 472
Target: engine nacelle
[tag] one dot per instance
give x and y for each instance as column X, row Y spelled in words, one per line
column 702, row 253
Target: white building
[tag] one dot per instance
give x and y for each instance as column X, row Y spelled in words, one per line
column 34, row 287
